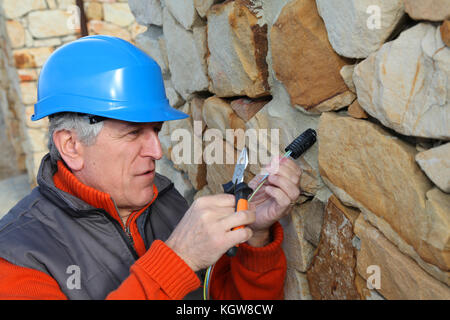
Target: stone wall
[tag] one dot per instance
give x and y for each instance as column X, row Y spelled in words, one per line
column 373, row 221
column 12, row 161
column 35, row 29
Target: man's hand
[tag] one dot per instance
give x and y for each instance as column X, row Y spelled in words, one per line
column 274, row 198
column 204, row 234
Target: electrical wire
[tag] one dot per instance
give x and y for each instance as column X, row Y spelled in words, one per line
column 206, row 284
column 209, row 271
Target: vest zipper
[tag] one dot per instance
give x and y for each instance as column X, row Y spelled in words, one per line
column 125, row 237
column 128, row 232
column 128, row 224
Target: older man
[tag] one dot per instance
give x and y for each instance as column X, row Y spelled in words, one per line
column 102, row 224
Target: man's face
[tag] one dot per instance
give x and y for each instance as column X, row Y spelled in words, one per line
column 122, row 162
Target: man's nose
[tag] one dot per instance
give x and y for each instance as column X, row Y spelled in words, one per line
column 152, row 145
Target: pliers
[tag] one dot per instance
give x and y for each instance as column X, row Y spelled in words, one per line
column 240, row 189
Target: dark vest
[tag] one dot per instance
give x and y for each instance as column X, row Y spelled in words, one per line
column 63, row 236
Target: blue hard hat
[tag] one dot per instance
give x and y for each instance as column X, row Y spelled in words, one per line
column 103, row 76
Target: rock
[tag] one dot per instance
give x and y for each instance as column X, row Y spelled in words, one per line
column 445, row 32
column 205, row 191
column 435, row 163
column 406, row 84
column 8, row 162
column 197, row 175
column 237, row 51
column 147, row 12
column 438, row 210
column 218, row 114
column 16, row 33
column 197, row 112
column 175, row 100
column 302, row 57
column 136, row 29
column 352, row 26
column 162, row 45
column 181, row 182
column 355, row 111
column 364, row 292
column 186, row 150
column 28, row 92
column 32, row 57
column 219, row 172
column 313, row 218
column 368, row 168
column 202, row 6
column 246, row 108
column 118, row 14
column 165, row 140
column 94, row 10
column 183, row 11
column 50, row 42
column 434, row 10
column 296, row 286
column 332, row 272
column 39, row 26
column 299, row 252
column 400, row 277
column 13, row 11
column 27, row 75
column 347, row 75
column 12, row 190
column 37, row 139
column 333, row 104
column 109, row 29
column 186, row 52
column 65, row 4
column 150, row 44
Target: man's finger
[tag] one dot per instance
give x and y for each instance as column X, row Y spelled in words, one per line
column 286, row 171
column 292, row 165
column 217, row 200
column 280, row 197
column 237, row 236
column 237, row 219
column 219, row 213
column 286, row 185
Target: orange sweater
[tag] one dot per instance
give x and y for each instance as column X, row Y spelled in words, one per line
column 159, row 273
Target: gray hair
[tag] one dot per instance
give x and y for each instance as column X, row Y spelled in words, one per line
column 85, row 131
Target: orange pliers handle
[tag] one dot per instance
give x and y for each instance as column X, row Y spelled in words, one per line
column 241, row 191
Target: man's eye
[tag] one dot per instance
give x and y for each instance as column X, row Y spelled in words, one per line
column 134, row 132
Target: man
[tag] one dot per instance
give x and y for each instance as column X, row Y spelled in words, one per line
column 102, row 224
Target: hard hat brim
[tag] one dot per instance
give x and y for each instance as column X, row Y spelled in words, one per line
column 119, row 110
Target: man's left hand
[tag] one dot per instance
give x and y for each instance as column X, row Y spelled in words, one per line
column 274, row 199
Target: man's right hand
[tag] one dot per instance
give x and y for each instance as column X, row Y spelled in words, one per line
column 204, row 234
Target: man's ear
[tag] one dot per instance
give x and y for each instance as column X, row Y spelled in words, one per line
column 70, row 148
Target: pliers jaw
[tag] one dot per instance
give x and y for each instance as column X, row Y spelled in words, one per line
column 239, row 172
